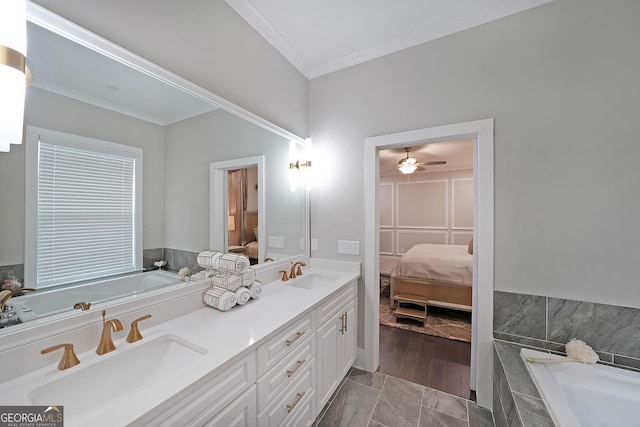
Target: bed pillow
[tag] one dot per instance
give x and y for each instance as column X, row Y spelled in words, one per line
column 471, row 246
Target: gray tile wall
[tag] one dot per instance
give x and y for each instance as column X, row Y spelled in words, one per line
column 18, row 272
column 516, row 401
column 549, row 323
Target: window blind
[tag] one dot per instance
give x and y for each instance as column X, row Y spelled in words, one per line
column 85, row 212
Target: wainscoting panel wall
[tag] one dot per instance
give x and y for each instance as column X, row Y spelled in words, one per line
column 425, row 208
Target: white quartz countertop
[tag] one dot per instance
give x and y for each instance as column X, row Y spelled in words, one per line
column 226, row 337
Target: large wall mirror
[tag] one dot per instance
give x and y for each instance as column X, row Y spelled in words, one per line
column 86, row 86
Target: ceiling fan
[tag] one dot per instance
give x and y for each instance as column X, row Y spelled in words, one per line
column 409, row 164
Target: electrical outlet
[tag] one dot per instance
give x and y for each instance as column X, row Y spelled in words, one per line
column 349, row 247
column 314, row 244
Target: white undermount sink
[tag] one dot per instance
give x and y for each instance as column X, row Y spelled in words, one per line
column 117, row 376
column 307, row 281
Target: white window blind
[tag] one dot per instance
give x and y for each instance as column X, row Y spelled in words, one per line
column 86, row 212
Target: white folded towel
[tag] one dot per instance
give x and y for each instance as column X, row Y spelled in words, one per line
column 236, row 263
column 208, row 259
column 248, row 277
column 219, row 298
column 243, row 295
column 227, row 280
column 255, row 289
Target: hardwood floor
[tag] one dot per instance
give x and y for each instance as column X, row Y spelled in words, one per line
column 434, row 362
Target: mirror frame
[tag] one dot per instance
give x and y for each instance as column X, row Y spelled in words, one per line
column 48, row 20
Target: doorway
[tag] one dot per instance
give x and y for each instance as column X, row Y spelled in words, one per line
column 425, row 230
column 481, row 353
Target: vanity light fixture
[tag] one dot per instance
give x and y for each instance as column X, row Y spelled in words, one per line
column 300, row 167
column 13, row 71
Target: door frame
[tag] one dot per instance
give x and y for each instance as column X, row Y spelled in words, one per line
column 481, row 131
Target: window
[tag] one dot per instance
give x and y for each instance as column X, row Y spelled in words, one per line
column 83, row 208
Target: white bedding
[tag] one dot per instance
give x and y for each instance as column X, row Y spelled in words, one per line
column 446, row 263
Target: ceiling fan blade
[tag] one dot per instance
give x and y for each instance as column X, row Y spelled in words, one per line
column 438, row 162
column 420, row 169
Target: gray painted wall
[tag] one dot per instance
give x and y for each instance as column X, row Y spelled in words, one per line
column 206, row 42
column 561, row 82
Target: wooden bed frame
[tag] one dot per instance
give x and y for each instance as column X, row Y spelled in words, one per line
column 430, row 292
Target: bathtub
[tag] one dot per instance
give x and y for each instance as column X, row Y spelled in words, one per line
column 47, row 302
column 580, row 395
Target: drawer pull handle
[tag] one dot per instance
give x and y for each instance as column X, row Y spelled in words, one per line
column 295, row 368
column 298, row 335
column 342, row 329
column 293, row 405
column 346, row 317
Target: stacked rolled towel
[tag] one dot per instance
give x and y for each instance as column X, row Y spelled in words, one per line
column 233, row 281
column 243, row 295
column 255, row 289
column 227, row 280
column 219, row 298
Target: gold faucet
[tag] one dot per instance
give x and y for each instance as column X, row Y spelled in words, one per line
column 284, row 275
column 7, row 294
column 134, row 332
column 106, row 343
column 295, row 273
column 69, row 357
column 84, row 306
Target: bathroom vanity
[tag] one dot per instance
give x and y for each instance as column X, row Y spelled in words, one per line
column 272, row 362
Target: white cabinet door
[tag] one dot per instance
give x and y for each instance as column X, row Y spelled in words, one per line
column 240, row 413
column 327, row 358
column 347, row 340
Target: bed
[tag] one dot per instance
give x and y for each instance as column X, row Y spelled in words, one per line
column 436, row 275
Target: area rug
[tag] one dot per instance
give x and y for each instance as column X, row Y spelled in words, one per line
column 441, row 322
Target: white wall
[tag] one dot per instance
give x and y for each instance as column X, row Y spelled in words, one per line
column 429, row 207
column 561, row 82
column 206, row 42
column 50, row 111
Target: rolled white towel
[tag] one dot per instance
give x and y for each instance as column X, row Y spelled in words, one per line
column 227, row 280
column 219, row 298
column 248, row 277
column 255, row 289
column 235, row 263
column 243, row 295
column 208, row 259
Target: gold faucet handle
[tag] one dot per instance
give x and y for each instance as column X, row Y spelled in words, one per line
column 69, row 357
column 134, row 333
column 84, row 306
column 7, row 294
column 300, row 265
column 284, row 275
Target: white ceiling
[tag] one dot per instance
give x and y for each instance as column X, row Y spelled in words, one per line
column 66, row 68
column 458, row 154
column 319, row 37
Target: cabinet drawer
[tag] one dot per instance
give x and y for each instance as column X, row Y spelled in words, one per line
column 241, row 413
column 291, row 401
column 285, row 372
column 207, row 399
column 279, row 347
column 329, row 308
column 305, row 414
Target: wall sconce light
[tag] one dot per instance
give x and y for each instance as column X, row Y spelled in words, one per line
column 300, row 166
column 13, row 51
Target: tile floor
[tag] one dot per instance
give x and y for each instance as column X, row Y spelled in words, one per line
column 367, row 399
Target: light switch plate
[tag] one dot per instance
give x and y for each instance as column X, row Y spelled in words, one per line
column 314, row 244
column 349, row 247
column 276, row 242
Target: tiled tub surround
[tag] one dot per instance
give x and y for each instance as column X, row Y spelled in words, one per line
column 516, row 401
column 549, row 323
